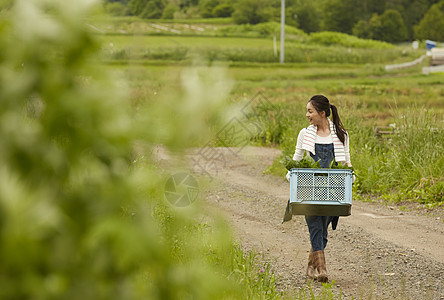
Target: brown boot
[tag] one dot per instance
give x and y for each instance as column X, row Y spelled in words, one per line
column 319, row 262
column 311, row 267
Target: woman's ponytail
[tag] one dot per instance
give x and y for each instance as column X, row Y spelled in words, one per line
column 321, row 104
column 340, row 130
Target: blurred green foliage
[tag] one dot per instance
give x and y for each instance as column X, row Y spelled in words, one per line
column 82, row 214
column 65, row 160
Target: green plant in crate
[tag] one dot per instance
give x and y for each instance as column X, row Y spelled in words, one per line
column 308, row 163
column 336, row 165
column 305, row 162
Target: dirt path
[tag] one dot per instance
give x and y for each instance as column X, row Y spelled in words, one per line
column 378, row 252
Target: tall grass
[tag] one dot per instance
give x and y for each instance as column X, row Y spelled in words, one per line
column 403, row 161
column 414, row 162
column 255, row 276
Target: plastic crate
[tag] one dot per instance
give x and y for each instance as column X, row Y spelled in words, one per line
column 321, row 192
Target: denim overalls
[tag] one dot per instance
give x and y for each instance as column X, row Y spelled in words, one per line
column 317, row 225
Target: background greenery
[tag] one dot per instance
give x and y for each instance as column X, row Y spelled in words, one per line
column 386, row 20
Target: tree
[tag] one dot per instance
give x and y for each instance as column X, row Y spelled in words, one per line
column 148, row 9
column 362, row 30
column 168, row 12
column 393, row 27
column 223, row 10
column 116, row 9
column 152, row 10
column 388, row 27
column 307, row 17
column 251, row 11
column 375, row 6
column 432, row 25
column 136, row 6
column 375, row 27
column 340, row 15
column 206, row 8
column 413, row 14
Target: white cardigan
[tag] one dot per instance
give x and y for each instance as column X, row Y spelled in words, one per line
column 299, row 150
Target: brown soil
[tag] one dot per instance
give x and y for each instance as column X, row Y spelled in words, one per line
column 379, row 252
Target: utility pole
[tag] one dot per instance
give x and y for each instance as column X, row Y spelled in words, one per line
column 282, row 31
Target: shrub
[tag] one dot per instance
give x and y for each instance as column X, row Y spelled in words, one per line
column 340, row 15
column 307, row 17
column 152, row 10
column 168, row 12
column 223, row 10
column 337, row 38
column 251, row 12
column 361, row 30
column 64, row 161
column 206, row 8
column 388, row 27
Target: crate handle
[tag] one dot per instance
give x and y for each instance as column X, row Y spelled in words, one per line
column 321, row 174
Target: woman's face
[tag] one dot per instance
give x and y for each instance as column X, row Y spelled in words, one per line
column 313, row 116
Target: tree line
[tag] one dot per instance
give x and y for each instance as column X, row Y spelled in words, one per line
column 386, row 20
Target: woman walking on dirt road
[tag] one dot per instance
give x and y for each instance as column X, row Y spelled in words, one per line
column 324, row 140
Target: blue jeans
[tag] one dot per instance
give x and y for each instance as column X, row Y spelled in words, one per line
column 318, row 225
